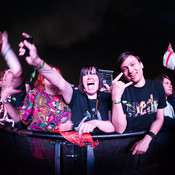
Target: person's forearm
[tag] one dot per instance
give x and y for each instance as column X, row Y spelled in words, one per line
column 105, row 126
column 158, row 122
column 118, row 118
column 12, row 60
column 52, row 75
column 154, row 129
column 56, row 79
column 12, row 112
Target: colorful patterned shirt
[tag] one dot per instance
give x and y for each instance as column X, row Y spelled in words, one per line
column 43, row 112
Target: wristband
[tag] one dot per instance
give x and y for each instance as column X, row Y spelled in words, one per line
column 6, row 51
column 32, row 76
column 151, row 134
column 42, row 65
column 116, row 102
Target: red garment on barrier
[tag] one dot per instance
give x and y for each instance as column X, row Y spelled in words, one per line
column 73, row 137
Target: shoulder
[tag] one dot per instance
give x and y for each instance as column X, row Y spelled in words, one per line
column 76, row 92
column 152, row 82
column 35, row 91
column 76, row 97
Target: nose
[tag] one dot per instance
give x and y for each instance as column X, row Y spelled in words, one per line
column 130, row 69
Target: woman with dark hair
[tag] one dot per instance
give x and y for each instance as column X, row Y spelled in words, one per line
column 169, row 114
column 90, row 108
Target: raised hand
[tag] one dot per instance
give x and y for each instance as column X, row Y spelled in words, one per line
column 9, row 55
column 118, row 87
column 9, row 84
column 33, row 58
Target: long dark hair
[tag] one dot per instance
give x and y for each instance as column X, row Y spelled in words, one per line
column 160, row 78
column 87, row 69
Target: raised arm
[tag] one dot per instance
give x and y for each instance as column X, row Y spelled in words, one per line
column 9, row 55
column 46, row 70
column 118, row 117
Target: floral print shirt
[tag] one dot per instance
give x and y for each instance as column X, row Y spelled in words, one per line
column 43, row 112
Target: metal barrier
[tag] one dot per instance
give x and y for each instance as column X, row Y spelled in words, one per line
column 31, row 152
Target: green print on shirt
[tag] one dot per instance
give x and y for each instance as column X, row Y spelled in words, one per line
column 137, row 109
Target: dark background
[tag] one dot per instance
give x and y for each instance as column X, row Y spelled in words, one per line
column 73, row 33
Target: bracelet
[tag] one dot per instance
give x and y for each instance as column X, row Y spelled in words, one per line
column 7, row 51
column 116, row 102
column 42, row 65
column 151, row 134
column 33, row 74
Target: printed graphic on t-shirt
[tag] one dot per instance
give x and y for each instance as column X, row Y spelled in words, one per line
column 87, row 116
column 137, row 109
column 98, row 117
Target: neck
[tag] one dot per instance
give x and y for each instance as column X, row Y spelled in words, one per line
column 94, row 96
column 51, row 90
column 141, row 83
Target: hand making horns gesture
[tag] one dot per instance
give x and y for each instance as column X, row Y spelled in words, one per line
column 117, row 88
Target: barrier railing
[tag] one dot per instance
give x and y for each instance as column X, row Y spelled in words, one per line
column 49, row 153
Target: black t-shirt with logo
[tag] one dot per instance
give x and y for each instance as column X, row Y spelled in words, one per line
column 140, row 104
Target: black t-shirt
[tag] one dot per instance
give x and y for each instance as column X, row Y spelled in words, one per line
column 140, row 104
column 81, row 107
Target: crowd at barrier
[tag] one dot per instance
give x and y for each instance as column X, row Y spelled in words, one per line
column 133, row 103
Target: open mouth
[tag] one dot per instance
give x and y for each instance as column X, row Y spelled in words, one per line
column 90, row 83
